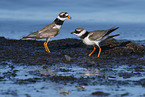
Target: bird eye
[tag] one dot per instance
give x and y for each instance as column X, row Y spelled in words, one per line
column 63, row 15
column 77, row 32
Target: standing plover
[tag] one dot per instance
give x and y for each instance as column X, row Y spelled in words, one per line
column 50, row 30
column 94, row 37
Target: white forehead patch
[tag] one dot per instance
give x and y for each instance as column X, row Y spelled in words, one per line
column 78, row 30
column 66, row 15
column 62, row 14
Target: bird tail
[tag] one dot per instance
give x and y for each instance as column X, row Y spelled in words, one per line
column 25, row 38
column 112, row 36
column 30, row 36
column 111, row 30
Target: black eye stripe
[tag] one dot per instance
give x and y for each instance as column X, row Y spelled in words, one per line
column 63, row 15
column 77, row 32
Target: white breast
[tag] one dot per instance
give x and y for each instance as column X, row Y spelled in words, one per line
column 57, row 26
column 88, row 42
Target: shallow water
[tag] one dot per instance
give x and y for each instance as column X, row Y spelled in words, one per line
column 34, row 81
column 19, row 18
column 19, row 29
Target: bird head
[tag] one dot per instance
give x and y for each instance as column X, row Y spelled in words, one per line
column 79, row 31
column 63, row 16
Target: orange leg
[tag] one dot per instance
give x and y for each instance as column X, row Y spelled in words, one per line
column 99, row 51
column 92, row 51
column 46, row 47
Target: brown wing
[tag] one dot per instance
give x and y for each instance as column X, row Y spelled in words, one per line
column 47, row 27
column 96, row 35
column 45, row 32
column 49, row 33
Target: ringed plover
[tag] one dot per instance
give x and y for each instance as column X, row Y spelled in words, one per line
column 50, row 30
column 94, row 37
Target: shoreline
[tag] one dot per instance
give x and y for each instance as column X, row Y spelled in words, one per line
column 33, row 52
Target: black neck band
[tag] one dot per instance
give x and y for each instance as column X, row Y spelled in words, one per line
column 84, row 35
column 58, row 22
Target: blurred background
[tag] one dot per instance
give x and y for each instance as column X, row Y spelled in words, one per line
column 19, row 18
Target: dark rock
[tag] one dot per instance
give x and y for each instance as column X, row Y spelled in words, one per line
column 142, row 82
column 2, row 38
column 125, row 94
column 110, row 43
column 63, row 78
column 27, row 81
column 1, row 78
column 124, row 49
column 139, row 69
column 125, row 75
column 135, row 48
column 100, row 93
column 33, row 52
column 68, row 58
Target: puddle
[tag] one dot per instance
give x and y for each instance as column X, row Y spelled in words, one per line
column 71, row 70
column 70, row 80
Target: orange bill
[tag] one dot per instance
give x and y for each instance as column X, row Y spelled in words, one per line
column 69, row 17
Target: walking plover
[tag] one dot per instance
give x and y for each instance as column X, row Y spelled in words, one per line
column 94, row 37
column 50, row 30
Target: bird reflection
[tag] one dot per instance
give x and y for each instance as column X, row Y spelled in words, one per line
column 62, row 91
column 91, row 72
column 47, row 71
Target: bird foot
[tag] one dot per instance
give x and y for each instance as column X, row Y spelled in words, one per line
column 46, row 47
column 90, row 54
column 92, row 51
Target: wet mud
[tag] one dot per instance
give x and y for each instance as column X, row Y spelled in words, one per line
column 69, row 71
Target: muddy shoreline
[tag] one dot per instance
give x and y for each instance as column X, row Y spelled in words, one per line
column 33, row 52
column 121, row 64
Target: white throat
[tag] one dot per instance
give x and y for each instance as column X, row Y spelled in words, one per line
column 62, row 19
column 80, row 34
